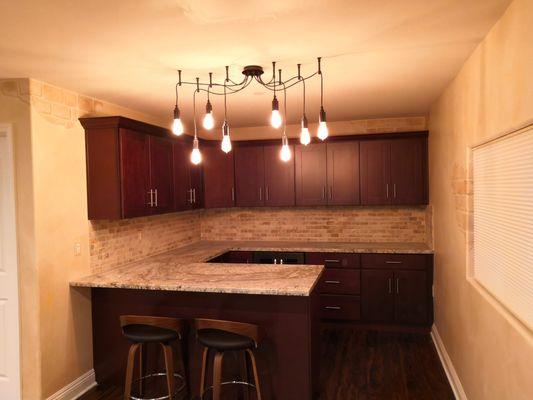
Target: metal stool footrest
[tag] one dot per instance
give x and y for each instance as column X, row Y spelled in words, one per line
column 210, row 388
column 157, row 374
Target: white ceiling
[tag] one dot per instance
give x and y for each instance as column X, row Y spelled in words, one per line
column 381, row 58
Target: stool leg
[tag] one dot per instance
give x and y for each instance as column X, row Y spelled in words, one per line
column 169, row 366
column 244, row 368
column 141, row 370
column 256, row 375
column 129, row 370
column 204, row 367
column 217, row 375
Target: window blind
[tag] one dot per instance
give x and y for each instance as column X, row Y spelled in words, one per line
column 503, row 221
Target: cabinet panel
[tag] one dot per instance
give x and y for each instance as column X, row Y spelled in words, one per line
column 340, row 281
column 310, row 174
column 218, row 178
column 375, row 172
column 249, row 176
column 182, row 182
column 340, row 307
column 395, row 261
column 343, row 173
column 279, row 178
column 408, row 171
column 412, row 297
column 161, row 179
column 135, row 172
column 377, row 298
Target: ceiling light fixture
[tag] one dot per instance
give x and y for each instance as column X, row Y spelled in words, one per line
column 251, row 73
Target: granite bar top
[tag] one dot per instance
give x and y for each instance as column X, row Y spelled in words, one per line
column 186, row 269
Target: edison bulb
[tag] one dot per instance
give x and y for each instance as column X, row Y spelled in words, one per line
column 322, row 130
column 226, row 144
column 305, row 137
column 209, row 121
column 285, row 153
column 275, row 119
column 177, row 127
column 196, row 156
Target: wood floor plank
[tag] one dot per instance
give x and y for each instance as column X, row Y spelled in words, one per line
column 366, row 365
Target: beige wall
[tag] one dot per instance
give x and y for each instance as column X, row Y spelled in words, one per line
column 492, row 94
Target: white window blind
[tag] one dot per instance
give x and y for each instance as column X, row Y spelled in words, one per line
column 503, row 221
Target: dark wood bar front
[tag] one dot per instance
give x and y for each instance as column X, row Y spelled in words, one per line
column 287, row 357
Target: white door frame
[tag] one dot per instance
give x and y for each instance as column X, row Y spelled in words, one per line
column 10, row 384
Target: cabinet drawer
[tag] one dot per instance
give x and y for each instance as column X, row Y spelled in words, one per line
column 334, row 260
column 395, row 261
column 340, row 281
column 340, row 307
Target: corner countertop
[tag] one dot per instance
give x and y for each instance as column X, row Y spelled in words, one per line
column 186, row 269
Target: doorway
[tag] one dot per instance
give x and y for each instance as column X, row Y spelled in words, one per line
column 9, row 308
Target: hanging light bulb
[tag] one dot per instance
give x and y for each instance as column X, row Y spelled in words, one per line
column 285, row 153
column 177, row 126
column 275, row 119
column 322, row 127
column 226, row 141
column 209, row 121
column 196, row 156
column 305, row 137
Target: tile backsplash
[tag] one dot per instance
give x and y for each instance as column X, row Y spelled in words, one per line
column 113, row 243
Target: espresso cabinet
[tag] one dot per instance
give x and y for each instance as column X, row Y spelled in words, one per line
column 279, row 178
column 187, row 179
column 394, row 171
column 343, row 173
column 311, row 174
column 249, row 176
column 219, row 186
column 161, row 179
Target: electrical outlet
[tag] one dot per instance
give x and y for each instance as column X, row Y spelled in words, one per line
column 77, row 249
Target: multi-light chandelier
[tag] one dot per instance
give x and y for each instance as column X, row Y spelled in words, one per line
column 275, row 84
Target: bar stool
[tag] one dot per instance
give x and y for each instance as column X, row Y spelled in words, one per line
column 142, row 330
column 221, row 336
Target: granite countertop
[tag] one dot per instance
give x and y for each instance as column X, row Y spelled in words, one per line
column 186, row 269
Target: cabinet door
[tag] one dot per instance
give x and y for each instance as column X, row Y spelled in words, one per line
column 135, row 172
column 161, row 180
column 377, row 298
column 343, row 173
column 375, row 172
column 218, row 178
column 249, row 176
column 197, row 186
column 279, row 178
column 182, row 183
column 408, row 171
column 310, row 174
column 412, row 295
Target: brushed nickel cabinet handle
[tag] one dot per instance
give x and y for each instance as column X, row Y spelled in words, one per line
column 330, row 192
column 190, row 195
column 151, row 193
column 332, row 261
column 332, row 307
column 156, row 202
column 323, row 193
column 393, row 262
column 394, row 190
column 194, row 196
column 232, row 194
column 387, row 190
column 281, row 261
column 275, row 260
column 333, row 282
column 390, row 285
column 260, row 193
column 267, row 194
column 397, row 285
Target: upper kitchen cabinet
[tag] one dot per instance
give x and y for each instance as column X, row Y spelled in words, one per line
column 394, row 171
column 219, row 186
column 128, row 168
column 249, row 176
column 187, row 178
column 311, row 174
column 343, row 173
column 279, row 178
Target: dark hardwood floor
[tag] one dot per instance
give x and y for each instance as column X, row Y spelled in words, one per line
column 360, row 364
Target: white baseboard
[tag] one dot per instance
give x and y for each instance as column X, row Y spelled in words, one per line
column 446, row 361
column 75, row 388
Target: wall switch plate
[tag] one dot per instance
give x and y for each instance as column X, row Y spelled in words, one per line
column 77, row 249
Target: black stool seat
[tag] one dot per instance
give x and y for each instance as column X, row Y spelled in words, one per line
column 145, row 333
column 223, row 340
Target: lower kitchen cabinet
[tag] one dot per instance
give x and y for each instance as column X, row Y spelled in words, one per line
column 411, row 297
column 339, row 307
column 340, row 281
column 377, row 297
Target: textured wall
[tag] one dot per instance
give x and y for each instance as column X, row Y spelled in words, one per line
column 341, row 224
column 491, row 351
column 116, row 242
